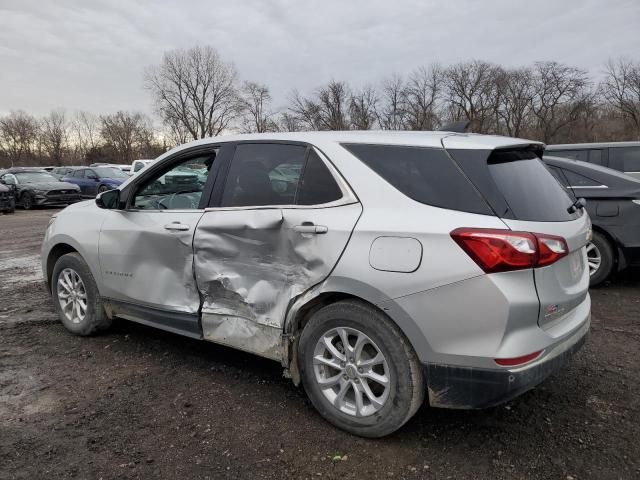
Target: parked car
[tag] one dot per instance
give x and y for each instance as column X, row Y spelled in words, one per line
column 613, row 203
column 139, row 164
column 93, row 180
column 369, row 265
column 7, row 198
column 37, row 187
column 621, row 156
column 61, row 172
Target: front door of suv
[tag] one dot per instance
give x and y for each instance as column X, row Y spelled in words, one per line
column 146, row 249
column 278, row 223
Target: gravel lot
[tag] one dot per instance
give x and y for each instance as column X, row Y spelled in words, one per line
column 140, row 403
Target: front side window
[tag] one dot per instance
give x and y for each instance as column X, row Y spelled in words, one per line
column 263, row 175
column 109, row 172
column 582, row 155
column 179, row 188
column 625, row 159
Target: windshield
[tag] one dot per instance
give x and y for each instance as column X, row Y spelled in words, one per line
column 109, row 172
column 35, row 177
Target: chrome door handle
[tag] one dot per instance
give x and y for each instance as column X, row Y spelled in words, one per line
column 176, row 226
column 310, row 228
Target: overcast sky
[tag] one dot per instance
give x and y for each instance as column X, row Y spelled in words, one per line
column 90, row 54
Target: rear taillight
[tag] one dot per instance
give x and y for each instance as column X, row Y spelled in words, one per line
column 517, row 361
column 504, row 250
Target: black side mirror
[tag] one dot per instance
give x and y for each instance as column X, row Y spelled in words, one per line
column 109, row 199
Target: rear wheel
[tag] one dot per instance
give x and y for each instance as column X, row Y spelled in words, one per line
column 359, row 370
column 102, row 188
column 600, row 259
column 26, row 201
column 76, row 296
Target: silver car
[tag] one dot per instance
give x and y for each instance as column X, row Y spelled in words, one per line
column 379, row 268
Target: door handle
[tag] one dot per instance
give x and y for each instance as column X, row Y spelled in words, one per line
column 176, row 226
column 308, row 227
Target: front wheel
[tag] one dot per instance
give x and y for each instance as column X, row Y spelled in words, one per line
column 76, row 296
column 359, row 370
column 600, row 259
column 26, row 201
column 102, row 188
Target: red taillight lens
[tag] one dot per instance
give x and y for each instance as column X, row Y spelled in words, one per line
column 515, row 361
column 504, row 250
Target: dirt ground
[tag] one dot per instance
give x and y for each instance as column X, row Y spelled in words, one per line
column 140, row 403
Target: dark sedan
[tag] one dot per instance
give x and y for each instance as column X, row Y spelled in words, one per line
column 94, row 180
column 38, row 187
column 613, row 203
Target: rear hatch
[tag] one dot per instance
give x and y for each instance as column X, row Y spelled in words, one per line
column 527, row 198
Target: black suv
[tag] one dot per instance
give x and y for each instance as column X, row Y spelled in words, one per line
column 613, row 203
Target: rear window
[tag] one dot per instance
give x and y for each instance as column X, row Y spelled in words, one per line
column 426, row 175
column 516, row 184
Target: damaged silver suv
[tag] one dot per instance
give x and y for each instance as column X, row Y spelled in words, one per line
column 379, row 268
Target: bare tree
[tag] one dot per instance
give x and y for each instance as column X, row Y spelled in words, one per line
column 515, row 99
column 85, row 133
column 561, row 92
column 55, row 136
column 420, row 97
column 257, row 116
column 621, row 89
column 18, row 135
column 362, row 108
column 127, row 134
column 289, row 123
column 195, row 88
column 472, row 95
column 391, row 115
column 327, row 109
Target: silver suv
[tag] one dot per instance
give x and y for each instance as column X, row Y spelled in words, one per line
column 379, row 268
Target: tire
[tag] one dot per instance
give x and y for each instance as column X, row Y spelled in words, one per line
column 600, row 248
column 95, row 318
column 102, row 188
column 404, row 392
column 26, row 201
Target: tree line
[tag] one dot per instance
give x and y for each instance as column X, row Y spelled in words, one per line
column 198, row 94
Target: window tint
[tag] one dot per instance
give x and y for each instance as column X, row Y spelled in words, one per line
column 557, row 173
column 426, row 175
column 263, row 174
column 318, row 185
column 576, row 180
column 625, row 159
column 595, row 156
column 179, row 188
column 528, row 187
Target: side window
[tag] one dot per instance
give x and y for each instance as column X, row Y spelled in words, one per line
column 595, row 156
column 263, row 174
column 582, row 155
column 579, row 181
column 79, row 173
column 90, row 174
column 138, row 166
column 318, row 185
column 625, row 159
column 179, row 188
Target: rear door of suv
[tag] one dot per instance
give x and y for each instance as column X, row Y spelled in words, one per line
column 527, row 198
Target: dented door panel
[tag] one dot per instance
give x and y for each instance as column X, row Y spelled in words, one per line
column 251, row 263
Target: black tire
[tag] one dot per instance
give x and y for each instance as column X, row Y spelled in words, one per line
column 102, row 188
column 26, row 201
column 406, row 392
column 607, row 263
column 95, row 318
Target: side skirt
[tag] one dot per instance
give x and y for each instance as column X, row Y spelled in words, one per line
column 175, row 322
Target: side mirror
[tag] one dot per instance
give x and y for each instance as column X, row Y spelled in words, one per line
column 109, row 200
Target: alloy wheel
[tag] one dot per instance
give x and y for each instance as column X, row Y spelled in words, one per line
column 594, row 258
column 351, row 371
column 72, row 295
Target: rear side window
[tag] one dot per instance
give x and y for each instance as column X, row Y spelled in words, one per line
column 625, row 159
column 426, row 175
column 318, row 185
column 579, row 181
column 528, row 188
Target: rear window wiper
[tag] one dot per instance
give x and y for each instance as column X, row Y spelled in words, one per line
column 579, row 204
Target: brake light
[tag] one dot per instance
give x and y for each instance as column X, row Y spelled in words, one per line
column 515, row 361
column 505, row 250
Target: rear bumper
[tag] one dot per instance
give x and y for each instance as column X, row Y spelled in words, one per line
column 458, row 387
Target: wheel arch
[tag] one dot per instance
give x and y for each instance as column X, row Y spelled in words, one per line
column 618, row 257
column 54, row 254
column 334, row 290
